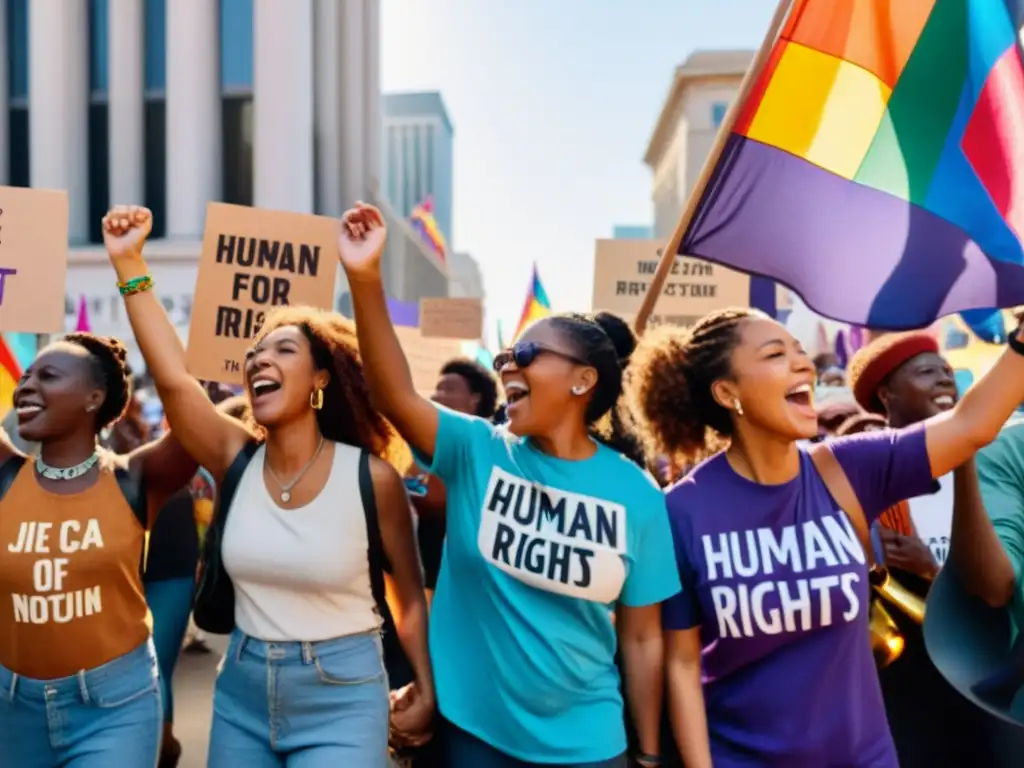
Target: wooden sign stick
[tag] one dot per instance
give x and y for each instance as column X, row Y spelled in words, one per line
column 668, row 256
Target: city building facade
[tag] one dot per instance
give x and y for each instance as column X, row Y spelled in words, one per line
column 465, row 281
column 418, row 155
column 632, row 232
column 175, row 103
column 703, row 87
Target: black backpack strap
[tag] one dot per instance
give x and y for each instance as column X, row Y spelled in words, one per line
column 375, row 550
column 9, row 471
column 133, row 488
column 213, row 607
column 229, row 485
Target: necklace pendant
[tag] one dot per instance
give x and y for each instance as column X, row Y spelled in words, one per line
column 285, row 496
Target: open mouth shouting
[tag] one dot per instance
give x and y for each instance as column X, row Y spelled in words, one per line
column 27, row 409
column 516, row 392
column 802, row 398
column 262, row 386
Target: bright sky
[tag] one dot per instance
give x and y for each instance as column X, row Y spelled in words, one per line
column 553, row 103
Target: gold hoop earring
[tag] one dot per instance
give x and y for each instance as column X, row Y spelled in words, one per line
column 739, row 407
column 316, row 399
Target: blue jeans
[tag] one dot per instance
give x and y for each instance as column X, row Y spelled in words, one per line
column 102, row 717
column 301, row 705
column 170, row 602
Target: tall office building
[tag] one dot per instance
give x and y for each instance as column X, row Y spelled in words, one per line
column 174, row 103
column 418, row 155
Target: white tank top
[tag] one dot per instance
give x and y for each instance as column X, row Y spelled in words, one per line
column 301, row 574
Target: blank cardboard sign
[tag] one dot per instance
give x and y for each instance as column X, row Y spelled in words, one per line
column 33, row 259
column 252, row 261
column 445, row 318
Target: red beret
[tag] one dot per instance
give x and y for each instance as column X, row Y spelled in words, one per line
column 873, row 363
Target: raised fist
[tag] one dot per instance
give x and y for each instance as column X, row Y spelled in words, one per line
column 362, row 240
column 125, row 229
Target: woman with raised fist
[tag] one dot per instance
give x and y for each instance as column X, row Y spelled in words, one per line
column 297, row 550
column 549, row 530
column 78, row 671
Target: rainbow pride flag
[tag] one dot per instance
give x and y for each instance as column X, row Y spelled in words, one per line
column 422, row 220
column 536, row 306
column 877, row 166
column 10, row 373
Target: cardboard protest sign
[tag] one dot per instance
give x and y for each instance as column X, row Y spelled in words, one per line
column 426, row 356
column 445, row 318
column 252, row 261
column 33, row 259
column 624, row 268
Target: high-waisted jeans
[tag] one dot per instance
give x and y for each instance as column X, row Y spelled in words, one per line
column 102, row 717
column 301, row 705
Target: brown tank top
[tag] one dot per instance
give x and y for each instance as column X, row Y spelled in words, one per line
column 71, row 596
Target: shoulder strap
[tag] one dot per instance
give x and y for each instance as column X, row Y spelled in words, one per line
column 8, row 471
column 229, row 485
column 375, row 547
column 838, row 485
column 133, row 488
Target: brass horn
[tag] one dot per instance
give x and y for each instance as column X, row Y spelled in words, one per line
column 896, row 594
column 887, row 642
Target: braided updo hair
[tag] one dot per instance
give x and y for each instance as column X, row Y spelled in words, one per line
column 111, row 373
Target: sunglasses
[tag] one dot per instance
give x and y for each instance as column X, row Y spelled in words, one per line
column 523, row 354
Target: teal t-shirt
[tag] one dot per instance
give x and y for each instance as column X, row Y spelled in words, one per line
column 538, row 552
column 1001, row 478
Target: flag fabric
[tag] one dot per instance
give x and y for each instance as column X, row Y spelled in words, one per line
column 10, row 373
column 989, row 325
column 877, row 166
column 422, row 220
column 536, row 307
column 83, row 325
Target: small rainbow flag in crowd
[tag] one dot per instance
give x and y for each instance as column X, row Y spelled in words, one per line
column 876, row 165
column 537, row 305
column 422, row 220
column 10, row 374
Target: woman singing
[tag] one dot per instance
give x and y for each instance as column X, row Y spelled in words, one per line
column 78, row 672
column 303, row 681
column 773, row 616
column 549, row 531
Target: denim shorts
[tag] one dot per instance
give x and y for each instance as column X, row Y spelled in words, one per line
column 102, row 717
column 314, row 705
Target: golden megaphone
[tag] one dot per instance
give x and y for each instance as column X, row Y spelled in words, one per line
column 887, row 642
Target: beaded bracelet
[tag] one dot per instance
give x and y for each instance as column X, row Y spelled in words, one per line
column 135, row 285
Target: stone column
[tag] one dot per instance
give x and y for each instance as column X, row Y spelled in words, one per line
column 194, row 137
column 58, row 97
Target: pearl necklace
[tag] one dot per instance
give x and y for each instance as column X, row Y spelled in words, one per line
column 65, row 473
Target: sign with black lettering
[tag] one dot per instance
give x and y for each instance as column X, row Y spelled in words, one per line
column 624, row 268
column 33, row 259
column 252, row 261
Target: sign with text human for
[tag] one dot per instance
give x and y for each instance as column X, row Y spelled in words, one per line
column 252, row 261
column 33, row 259
column 445, row 318
column 623, row 269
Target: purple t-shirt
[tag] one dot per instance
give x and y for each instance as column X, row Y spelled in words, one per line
column 776, row 578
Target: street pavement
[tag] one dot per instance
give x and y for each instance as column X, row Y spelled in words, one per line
column 193, row 701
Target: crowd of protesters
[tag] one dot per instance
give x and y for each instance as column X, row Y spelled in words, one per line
column 625, row 562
